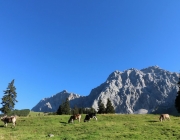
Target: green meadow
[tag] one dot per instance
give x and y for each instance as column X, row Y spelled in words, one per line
column 107, row 127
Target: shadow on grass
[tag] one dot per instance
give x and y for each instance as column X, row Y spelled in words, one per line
column 152, row 121
column 1, row 125
column 63, row 122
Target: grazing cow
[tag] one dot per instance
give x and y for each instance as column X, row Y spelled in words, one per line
column 90, row 116
column 7, row 120
column 74, row 117
column 163, row 117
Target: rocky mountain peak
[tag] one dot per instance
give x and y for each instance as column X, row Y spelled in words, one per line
column 129, row 91
column 153, row 69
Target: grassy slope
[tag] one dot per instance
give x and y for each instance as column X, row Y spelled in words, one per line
column 108, row 127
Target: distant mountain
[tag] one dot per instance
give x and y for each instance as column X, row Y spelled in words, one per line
column 52, row 103
column 148, row 90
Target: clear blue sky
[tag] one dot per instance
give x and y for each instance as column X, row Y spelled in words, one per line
column 50, row 46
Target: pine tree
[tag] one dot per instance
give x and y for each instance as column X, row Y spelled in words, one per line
column 92, row 110
column 109, row 107
column 60, row 110
column 84, row 111
column 101, row 107
column 9, row 98
column 75, row 111
column 64, row 108
column 81, row 110
column 177, row 100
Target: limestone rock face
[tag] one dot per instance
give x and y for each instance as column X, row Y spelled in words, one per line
column 52, row 103
column 129, row 91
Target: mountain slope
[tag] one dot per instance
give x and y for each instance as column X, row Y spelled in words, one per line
column 52, row 103
column 129, row 91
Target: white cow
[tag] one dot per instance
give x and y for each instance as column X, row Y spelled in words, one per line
column 11, row 119
column 164, row 116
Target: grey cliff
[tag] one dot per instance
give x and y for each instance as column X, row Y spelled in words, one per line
column 132, row 91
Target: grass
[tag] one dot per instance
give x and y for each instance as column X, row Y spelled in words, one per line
column 107, row 127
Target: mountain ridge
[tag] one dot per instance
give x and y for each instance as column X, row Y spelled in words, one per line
column 129, row 91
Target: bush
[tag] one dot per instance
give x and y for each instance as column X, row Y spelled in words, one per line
column 23, row 112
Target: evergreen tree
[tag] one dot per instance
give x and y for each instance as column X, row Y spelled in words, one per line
column 101, row 107
column 87, row 110
column 177, row 100
column 67, row 107
column 9, row 98
column 59, row 111
column 64, row 108
column 92, row 110
column 81, row 110
column 109, row 107
column 75, row 111
column 84, row 111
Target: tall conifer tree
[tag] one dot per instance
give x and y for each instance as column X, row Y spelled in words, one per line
column 75, row 111
column 9, row 98
column 101, row 107
column 64, row 108
column 109, row 107
column 177, row 100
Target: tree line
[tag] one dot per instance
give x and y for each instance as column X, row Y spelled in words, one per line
column 64, row 108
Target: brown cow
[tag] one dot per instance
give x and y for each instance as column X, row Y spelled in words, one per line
column 164, row 116
column 7, row 120
column 74, row 117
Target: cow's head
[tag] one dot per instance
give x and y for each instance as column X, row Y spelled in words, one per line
column 2, row 118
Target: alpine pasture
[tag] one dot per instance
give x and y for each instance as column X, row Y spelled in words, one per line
column 108, row 127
